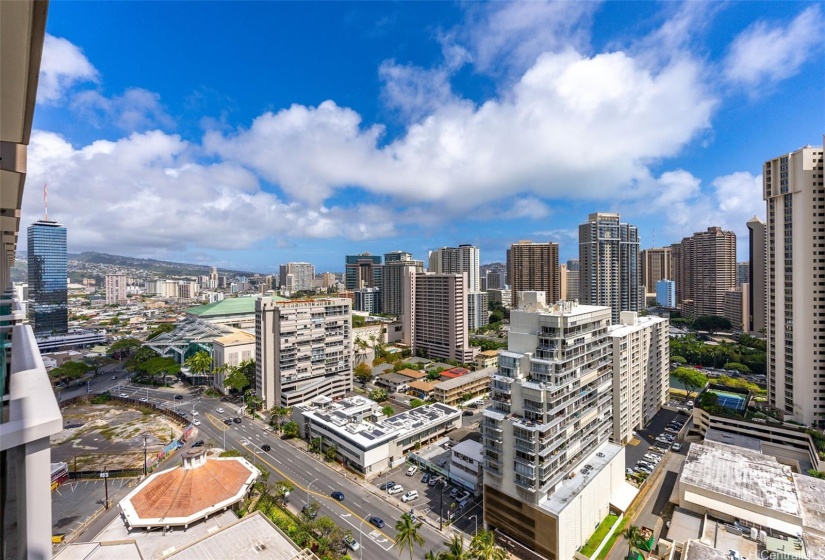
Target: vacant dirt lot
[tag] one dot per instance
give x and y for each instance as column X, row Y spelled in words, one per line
column 110, row 436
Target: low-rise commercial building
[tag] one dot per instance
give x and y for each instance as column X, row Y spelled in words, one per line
column 422, row 389
column 487, row 358
column 364, row 440
column 454, row 391
column 467, row 465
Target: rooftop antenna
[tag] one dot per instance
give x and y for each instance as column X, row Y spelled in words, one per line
column 46, row 199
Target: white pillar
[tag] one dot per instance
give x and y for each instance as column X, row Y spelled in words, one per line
column 34, row 512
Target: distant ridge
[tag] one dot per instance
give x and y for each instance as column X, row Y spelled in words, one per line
column 153, row 265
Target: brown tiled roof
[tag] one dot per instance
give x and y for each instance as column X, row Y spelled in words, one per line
column 412, row 373
column 183, row 492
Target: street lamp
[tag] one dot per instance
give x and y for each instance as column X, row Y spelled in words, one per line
column 476, row 519
column 441, row 506
column 360, row 532
column 308, row 487
column 144, row 456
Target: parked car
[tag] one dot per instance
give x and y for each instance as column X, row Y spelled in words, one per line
column 467, row 413
column 266, row 447
column 198, row 443
column 409, row 496
column 464, row 496
column 197, row 422
column 412, row 470
column 219, row 411
column 426, row 478
column 194, row 412
column 677, row 447
column 629, row 471
column 463, row 503
column 387, row 485
column 434, row 480
column 397, row 489
column 377, row 521
column 351, row 543
column 454, row 492
column 123, row 395
column 178, row 397
column 144, row 399
column 338, row 495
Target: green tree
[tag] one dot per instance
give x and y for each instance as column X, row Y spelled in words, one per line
column 407, row 534
column 309, row 512
column 253, row 402
column 456, row 550
column 289, row 430
column 278, row 413
column 363, row 372
column 430, row 555
column 415, row 403
column 70, row 371
column 283, row 488
column 483, row 546
column 378, row 395
column 677, row 360
column 711, row 323
column 200, row 363
column 361, row 346
column 142, row 354
column 358, row 321
column 736, row 366
column 124, row 347
column 247, row 367
column 161, row 329
column 691, row 378
column 433, row 375
column 329, row 452
column 634, row 538
column 234, row 379
column 388, row 410
column 315, row 445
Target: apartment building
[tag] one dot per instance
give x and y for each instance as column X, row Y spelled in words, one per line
column 736, row 307
column 477, row 310
column 504, row 297
column 458, row 260
column 655, row 266
column 551, row 483
column 609, row 264
column 534, row 267
column 303, row 349
column 708, row 270
column 795, row 200
column 666, row 293
column 29, row 413
column 641, row 371
column 395, row 267
column 458, row 389
column 296, row 276
column 435, row 316
column 572, row 280
column 757, row 298
column 47, row 269
column 368, row 300
column 231, row 350
column 116, row 288
column 743, row 273
column 363, row 271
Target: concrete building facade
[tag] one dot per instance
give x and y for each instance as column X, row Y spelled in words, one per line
column 116, row 286
column 296, row 276
column 458, row 260
column 795, row 275
column 736, row 307
column 666, row 293
column 534, row 267
column 303, row 349
column 655, row 266
column 757, row 299
column 395, row 267
column 707, row 270
column 477, row 310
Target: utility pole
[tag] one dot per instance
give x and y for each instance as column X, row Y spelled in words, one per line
column 106, row 486
column 144, row 456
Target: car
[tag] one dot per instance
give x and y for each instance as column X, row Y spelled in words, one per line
column 198, row 443
column 237, row 420
column 629, row 471
column 463, row 503
column 338, row 495
column 377, row 521
column 178, row 397
column 677, row 447
column 426, row 478
column 144, row 399
column 464, row 496
column 387, row 485
column 434, row 480
column 412, row 470
column 672, row 430
column 397, row 489
column 409, row 496
column 227, row 421
column 266, row 447
column 219, row 411
column 311, row 513
column 454, row 492
column 690, row 403
column 351, row 543
column 467, row 413
column 197, row 422
column 114, row 377
column 195, row 413
column 124, row 395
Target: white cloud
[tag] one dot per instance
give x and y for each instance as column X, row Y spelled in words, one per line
column 136, row 109
column 63, row 65
column 572, row 127
column 765, row 53
column 145, row 193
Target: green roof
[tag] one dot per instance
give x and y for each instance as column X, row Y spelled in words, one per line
column 229, row 306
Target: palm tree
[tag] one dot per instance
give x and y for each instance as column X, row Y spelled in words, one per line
column 407, row 535
column 456, row 550
column 199, row 363
column 483, row 546
column 278, row 413
column 430, row 555
column 362, row 347
column 633, row 536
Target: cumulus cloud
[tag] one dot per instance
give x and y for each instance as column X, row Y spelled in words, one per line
column 145, row 192
column 572, row 127
column 766, row 53
column 63, row 65
column 136, row 110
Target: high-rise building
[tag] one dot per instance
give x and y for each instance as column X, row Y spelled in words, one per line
column 666, row 293
column 116, row 286
column 641, row 371
column 534, row 267
column 707, row 270
column 795, row 275
column 368, row 300
column 363, row 271
column 551, row 416
column 609, row 261
column 213, row 278
column 48, row 289
column 573, row 265
column 572, row 279
column 456, row 260
column 477, row 310
column 757, row 300
column 495, row 277
column 296, row 276
column 736, row 307
column 743, row 273
column 563, row 281
column 435, row 315
column 302, row 349
column 655, row 267
column 395, row 269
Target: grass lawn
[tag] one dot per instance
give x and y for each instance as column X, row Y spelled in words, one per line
column 612, row 540
column 593, row 543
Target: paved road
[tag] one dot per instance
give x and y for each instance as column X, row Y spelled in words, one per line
column 312, row 478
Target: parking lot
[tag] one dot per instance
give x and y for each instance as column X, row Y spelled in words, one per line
column 646, row 437
column 431, row 498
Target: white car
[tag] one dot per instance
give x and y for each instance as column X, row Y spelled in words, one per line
column 412, row 470
column 409, row 496
column 144, row 399
column 197, row 422
column 677, row 447
column 194, row 413
column 123, row 395
column 219, row 411
column 397, row 489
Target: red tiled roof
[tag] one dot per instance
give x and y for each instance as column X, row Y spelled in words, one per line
column 183, row 492
column 454, row 372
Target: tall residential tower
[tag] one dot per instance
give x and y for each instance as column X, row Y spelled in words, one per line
column 534, row 267
column 48, row 290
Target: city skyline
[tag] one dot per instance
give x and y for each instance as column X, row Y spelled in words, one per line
column 258, row 143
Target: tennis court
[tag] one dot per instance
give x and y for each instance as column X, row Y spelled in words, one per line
column 730, row 400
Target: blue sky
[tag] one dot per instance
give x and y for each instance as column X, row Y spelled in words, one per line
column 245, row 135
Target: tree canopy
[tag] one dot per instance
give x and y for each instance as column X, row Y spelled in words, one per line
column 691, row 378
column 160, row 329
column 711, row 323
